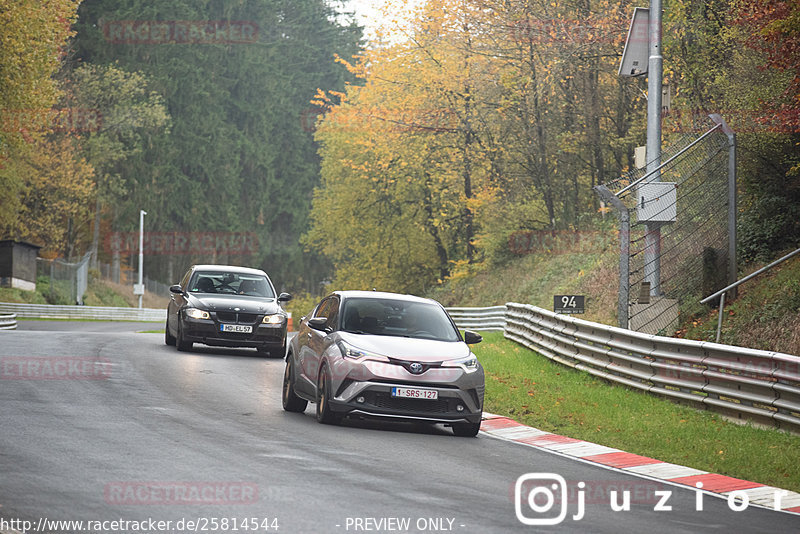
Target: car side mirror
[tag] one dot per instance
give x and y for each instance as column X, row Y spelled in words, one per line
column 470, row 337
column 284, row 297
column 318, row 323
column 176, row 289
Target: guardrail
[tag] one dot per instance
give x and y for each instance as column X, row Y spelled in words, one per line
column 490, row 318
column 746, row 384
column 101, row 313
column 8, row 321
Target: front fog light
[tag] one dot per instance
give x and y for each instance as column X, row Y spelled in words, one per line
column 361, row 400
column 460, row 408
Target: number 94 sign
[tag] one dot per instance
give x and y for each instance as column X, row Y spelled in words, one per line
column 568, row 303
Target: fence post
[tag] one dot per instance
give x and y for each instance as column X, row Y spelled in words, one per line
column 624, row 252
column 733, row 267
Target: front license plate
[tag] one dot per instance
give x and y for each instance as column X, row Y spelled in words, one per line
column 238, row 328
column 414, row 393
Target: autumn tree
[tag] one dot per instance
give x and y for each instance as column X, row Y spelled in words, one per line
column 127, row 112
column 34, row 34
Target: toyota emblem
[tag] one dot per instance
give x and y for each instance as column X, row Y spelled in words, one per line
column 415, row 368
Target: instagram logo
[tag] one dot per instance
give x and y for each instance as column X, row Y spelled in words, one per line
column 539, row 492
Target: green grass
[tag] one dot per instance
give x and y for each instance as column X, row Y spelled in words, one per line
column 8, row 294
column 98, row 294
column 538, row 392
column 765, row 315
column 150, row 331
column 587, row 268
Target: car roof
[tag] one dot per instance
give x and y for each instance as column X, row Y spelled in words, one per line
column 383, row 295
column 229, row 268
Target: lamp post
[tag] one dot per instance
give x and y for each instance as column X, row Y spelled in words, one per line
column 140, row 286
column 652, row 251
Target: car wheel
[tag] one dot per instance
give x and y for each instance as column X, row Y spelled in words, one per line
column 169, row 339
column 324, row 413
column 291, row 402
column 466, row 430
column 182, row 344
column 279, row 352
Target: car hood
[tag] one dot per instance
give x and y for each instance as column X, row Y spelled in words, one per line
column 230, row 303
column 404, row 348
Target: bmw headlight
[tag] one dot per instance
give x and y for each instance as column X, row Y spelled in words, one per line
column 273, row 319
column 194, row 313
column 468, row 364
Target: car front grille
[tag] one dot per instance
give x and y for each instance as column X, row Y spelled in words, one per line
column 387, row 402
column 247, row 318
column 240, row 318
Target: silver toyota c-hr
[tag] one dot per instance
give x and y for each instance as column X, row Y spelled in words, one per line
column 384, row 355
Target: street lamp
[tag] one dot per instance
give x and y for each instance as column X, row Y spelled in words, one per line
column 138, row 289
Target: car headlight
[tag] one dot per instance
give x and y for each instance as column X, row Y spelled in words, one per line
column 273, row 319
column 194, row 313
column 468, row 364
column 354, row 353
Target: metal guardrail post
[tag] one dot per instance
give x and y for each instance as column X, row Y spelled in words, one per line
column 733, row 268
column 719, row 319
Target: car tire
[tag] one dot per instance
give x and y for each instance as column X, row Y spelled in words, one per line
column 280, row 352
column 181, row 343
column 325, row 415
column 169, row 339
column 466, row 430
column 291, row 402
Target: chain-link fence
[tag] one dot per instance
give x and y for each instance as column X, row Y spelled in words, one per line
column 66, row 281
column 677, row 230
column 122, row 274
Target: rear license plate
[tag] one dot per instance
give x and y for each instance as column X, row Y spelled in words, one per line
column 238, row 328
column 414, row 393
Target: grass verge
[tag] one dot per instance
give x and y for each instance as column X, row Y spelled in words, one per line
column 766, row 314
column 538, row 392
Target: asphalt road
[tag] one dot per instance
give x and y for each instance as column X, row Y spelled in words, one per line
column 119, row 426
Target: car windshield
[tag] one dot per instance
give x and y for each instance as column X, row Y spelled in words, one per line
column 390, row 317
column 228, row 283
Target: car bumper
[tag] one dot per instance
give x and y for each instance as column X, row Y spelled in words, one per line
column 207, row 331
column 368, row 393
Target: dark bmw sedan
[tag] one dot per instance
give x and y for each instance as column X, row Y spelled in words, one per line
column 226, row 306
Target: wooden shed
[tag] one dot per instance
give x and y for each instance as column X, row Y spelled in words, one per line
column 18, row 264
